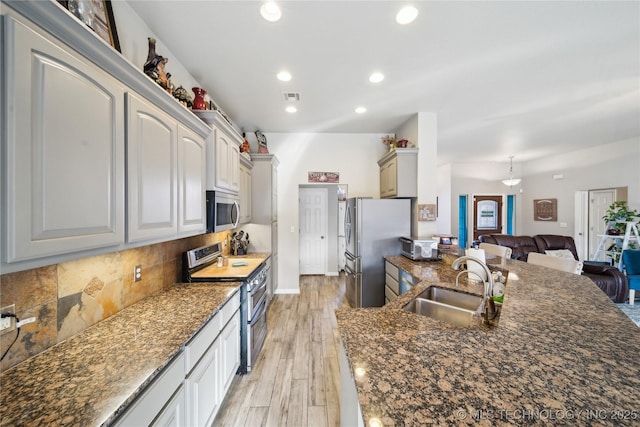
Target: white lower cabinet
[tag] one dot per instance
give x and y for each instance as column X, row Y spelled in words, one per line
column 350, row 411
column 189, row 391
column 229, row 352
column 203, row 385
column 173, row 414
column 155, row 400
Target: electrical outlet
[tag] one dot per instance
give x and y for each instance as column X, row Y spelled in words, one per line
column 8, row 324
column 137, row 273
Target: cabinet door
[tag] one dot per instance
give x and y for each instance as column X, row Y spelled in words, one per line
column 274, row 193
column 388, row 174
column 203, row 385
column 151, row 171
column 64, row 149
column 163, row 393
column 384, row 179
column 191, row 182
column 229, row 352
column 227, row 162
column 234, row 169
column 245, row 194
column 174, row 413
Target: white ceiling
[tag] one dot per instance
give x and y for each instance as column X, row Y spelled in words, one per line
column 521, row 78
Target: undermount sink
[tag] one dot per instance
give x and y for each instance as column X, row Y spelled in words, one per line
column 451, row 297
column 455, row 308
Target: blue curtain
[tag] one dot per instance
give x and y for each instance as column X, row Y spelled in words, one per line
column 511, row 200
column 462, row 222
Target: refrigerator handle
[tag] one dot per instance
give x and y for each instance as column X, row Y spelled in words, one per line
column 347, row 224
column 348, row 270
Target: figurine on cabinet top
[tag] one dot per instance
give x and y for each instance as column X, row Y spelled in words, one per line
column 183, row 97
column 245, row 147
column 154, row 67
column 262, row 143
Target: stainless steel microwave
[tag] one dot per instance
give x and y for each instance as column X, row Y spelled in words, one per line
column 223, row 211
column 420, row 249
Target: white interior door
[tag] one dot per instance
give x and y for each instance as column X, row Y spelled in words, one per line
column 581, row 229
column 313, row 230
column 599, row 201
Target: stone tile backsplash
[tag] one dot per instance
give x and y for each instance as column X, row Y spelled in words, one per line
column 69, row 297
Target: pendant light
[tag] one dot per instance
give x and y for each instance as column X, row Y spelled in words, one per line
column 511, row 181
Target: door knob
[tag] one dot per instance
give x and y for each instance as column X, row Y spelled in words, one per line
column 322, row 237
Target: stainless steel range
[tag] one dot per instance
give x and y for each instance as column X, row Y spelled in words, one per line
column 201, row 265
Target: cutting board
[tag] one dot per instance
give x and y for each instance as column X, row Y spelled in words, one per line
column 230, row 271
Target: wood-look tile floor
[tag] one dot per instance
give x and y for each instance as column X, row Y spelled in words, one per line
column 296, row 380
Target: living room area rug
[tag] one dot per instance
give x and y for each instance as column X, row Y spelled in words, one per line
column 633, row 311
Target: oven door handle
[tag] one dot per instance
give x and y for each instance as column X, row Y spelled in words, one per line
column 260, row 310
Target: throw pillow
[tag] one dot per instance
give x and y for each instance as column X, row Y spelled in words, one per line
column 561, row 253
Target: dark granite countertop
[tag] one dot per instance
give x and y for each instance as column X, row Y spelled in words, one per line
column 91, row 377
column 562, row 353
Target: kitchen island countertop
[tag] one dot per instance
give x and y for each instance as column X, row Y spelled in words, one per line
column 561, row 353
column 90, row 378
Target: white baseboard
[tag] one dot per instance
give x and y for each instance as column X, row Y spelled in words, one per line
column 332, row 273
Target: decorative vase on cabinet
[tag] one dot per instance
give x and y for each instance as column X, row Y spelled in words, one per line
column 199, row 102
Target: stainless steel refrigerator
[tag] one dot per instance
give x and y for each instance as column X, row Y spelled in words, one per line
column 372, row 231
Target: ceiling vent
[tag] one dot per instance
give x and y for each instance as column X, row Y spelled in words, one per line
column 291, row 96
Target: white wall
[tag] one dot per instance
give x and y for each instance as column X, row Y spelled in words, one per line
column 427, row 166
column 133, row 33
column 422, row 131
column 445, row 197
column 354, row 156
column 606, row 166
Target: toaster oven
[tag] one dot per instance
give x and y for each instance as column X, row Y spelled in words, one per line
column 420, row 249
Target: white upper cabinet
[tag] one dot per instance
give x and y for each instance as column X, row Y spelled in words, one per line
column 227, row 161
column 165, row 174
column 192, row 170
column 63, row 149
column 151, row 171
column 245, row 189
column 72, row 107
column 223, row 154
column 399, row 173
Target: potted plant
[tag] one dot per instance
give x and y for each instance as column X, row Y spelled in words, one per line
column 617, row 216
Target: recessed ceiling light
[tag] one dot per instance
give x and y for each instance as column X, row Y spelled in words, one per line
column 376, row 77
column 270, row 11
column 406, row 15
column 291, row 109
column 284, row 76
column 361, row 110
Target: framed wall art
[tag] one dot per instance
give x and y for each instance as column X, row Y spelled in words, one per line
column 545, row 210
column 427, row 212
column 324, row 177
column 97, row 15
